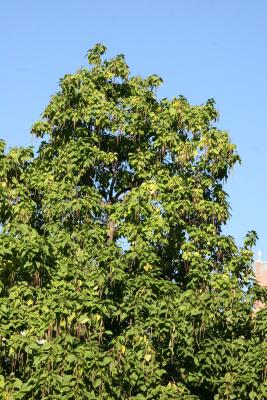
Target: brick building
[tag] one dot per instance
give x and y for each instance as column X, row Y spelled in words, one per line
column 261, row 271
column 261, row 277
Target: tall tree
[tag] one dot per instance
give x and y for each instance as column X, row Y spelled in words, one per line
column 116, row 279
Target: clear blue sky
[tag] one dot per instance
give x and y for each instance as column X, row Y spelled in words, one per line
column 201, row 48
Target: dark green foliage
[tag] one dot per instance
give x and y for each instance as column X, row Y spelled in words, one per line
column 116, row 279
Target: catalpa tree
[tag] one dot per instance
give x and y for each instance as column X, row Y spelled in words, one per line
column 117, row 281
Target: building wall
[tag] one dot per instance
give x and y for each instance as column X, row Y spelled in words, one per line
column 261, row 272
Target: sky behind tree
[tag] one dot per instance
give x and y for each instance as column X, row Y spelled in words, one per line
column 201, row 48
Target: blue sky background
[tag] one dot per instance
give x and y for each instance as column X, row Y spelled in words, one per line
column 201, row 48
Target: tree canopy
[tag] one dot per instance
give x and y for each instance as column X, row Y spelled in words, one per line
column 116, row 279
